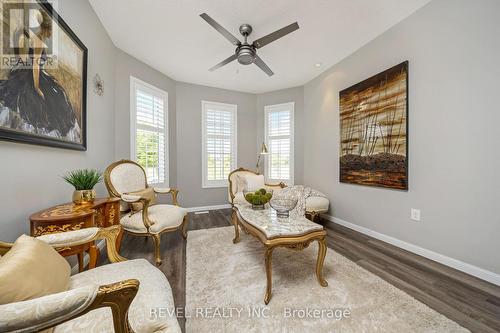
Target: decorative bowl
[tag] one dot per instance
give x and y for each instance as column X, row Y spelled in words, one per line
column 283, row 206
column 259, row 198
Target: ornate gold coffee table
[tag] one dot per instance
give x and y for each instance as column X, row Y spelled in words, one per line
column 295, row 233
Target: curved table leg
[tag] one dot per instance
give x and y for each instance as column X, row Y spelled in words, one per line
column 93, row 255
column 119, row 240
column 320, row 261
column 234, row 220
column 184, row 227
column 80, row 262
column 268, row 259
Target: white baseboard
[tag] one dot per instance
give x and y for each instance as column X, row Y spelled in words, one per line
column 442, row 259
column 202, row 208
column 100, row 244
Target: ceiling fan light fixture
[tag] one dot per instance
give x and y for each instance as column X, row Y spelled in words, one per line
column 246, row 53
column 245, row 59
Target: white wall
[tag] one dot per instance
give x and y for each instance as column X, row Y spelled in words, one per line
column 453, row 49
column 30, row 175
column 295, row 95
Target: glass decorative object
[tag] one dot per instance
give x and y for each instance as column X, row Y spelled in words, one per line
column 283, row 206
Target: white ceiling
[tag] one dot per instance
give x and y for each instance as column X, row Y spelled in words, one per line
column 170, row 36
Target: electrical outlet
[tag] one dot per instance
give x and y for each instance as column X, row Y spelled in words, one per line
column 415, row 214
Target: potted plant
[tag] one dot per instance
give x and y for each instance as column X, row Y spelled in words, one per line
column 84, row 181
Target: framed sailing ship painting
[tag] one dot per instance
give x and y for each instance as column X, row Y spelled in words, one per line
column 43, row 74
column 373, row 130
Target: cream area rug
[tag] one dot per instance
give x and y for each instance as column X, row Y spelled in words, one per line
column 225, row 285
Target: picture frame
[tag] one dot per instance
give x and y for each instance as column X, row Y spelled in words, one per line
column 374, row 130
column 57, row 116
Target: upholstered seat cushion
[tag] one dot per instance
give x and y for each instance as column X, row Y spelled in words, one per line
column 313, row 204
column 317, row 204
column 161, row 217
column 154, row 296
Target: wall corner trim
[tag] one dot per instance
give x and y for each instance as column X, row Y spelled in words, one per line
column 440, row 258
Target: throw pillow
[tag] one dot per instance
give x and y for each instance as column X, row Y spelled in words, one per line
column 32, row 269
column 254, row 182
column 148, row 193
column 240, row 183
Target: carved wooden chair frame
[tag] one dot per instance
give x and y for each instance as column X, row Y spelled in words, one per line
column 230, row 186
column 146, row 204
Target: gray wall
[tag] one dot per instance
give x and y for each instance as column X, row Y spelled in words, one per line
column 295, row 95
column 185, row 126
column 189, row 141
column 126, row 66
column 452, row 47
column 30, row 175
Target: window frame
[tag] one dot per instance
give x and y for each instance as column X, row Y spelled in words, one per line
column 268, row 109
column 233, row 108
column 136, row 83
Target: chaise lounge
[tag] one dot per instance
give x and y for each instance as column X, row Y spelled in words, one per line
column 314, row 205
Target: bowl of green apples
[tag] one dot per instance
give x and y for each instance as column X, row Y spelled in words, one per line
column 259, row 198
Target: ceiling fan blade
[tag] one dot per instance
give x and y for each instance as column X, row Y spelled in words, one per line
column 224, row 62
column 220, row 29
column 262, row 65
column 263, row 41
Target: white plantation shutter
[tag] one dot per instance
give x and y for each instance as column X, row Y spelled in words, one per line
column 279, row 141
column 219, row 142
column 149, row 130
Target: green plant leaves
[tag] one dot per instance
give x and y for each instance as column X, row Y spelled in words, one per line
column 83, row 179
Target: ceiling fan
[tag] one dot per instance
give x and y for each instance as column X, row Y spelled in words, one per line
column 245, row 53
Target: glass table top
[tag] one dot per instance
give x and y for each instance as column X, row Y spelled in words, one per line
column 273, row 226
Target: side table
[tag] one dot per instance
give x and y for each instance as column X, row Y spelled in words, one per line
column 69, row 216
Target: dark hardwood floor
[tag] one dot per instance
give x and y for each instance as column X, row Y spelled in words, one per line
column 173, row 250
column 473, row 303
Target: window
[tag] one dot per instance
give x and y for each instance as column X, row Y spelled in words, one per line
column 279, row 142
column 219, row 142
column 149, row 125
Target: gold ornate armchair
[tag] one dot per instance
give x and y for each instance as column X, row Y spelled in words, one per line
column 314, row 205
column 82, row 308
column 127, row 180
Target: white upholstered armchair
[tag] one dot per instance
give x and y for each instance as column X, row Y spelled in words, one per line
column 117, row 297
column 127, row 180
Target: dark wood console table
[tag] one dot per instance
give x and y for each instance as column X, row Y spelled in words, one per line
column 69, row 216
